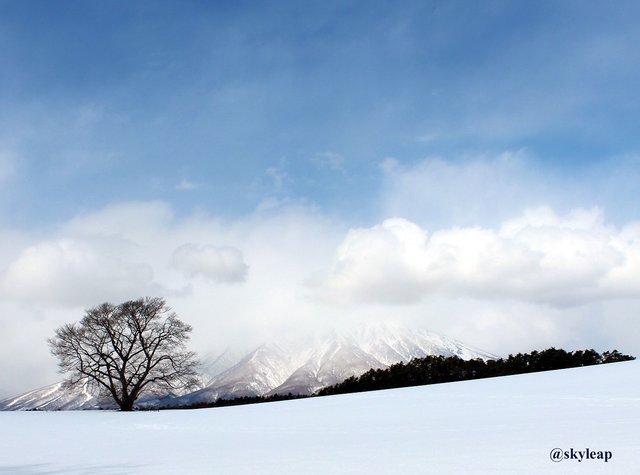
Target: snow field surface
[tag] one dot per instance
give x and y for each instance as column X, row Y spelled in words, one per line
column 493, row 426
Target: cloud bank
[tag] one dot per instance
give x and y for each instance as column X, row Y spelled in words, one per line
column 539, row 257
column 505, row 280
column 71, row 272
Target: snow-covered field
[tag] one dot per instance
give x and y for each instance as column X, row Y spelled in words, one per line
column 501, row 425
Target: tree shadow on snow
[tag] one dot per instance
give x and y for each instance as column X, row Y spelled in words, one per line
column 43, row 469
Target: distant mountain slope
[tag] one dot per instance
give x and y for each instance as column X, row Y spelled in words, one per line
column 373, row 346
column 328, row 363
column 297, row 367
column 50, row 398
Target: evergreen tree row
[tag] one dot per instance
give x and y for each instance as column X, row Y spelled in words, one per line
column 440, row 369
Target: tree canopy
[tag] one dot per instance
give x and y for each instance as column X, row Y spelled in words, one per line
column 126, row 350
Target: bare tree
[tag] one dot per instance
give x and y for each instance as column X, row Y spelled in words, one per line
column 126, row 350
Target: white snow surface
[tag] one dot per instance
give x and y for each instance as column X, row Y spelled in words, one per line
column 491, row 426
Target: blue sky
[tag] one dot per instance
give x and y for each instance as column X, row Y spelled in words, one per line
column 471, row 167
column 107, row 100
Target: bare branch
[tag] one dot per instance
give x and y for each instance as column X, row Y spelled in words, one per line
column 126, row 350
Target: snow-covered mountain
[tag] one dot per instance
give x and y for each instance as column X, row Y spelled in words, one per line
column 338, row 357
column 55, row 397
column 297, row 367
column 50, row 398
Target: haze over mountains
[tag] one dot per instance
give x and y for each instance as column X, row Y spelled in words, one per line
column 292, row 366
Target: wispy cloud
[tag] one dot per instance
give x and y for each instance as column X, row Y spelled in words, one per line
column 187, row 185
column 7, row 165
column 330, row 160
column 485, row 189
column 428, row 137
column 278, row 176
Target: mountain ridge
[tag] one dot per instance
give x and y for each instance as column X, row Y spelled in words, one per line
column 280, row 367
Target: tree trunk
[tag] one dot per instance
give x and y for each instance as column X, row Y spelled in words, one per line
column 126, row 405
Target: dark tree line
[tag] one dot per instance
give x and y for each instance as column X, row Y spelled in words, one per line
column 440, row 369
column 236, row 401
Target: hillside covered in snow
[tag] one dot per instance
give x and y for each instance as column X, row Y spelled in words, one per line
column 511, row 424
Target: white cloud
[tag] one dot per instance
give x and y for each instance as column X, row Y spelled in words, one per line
column 72, row 272
column 216, row 264
column 539, row 257
column 136, row 220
